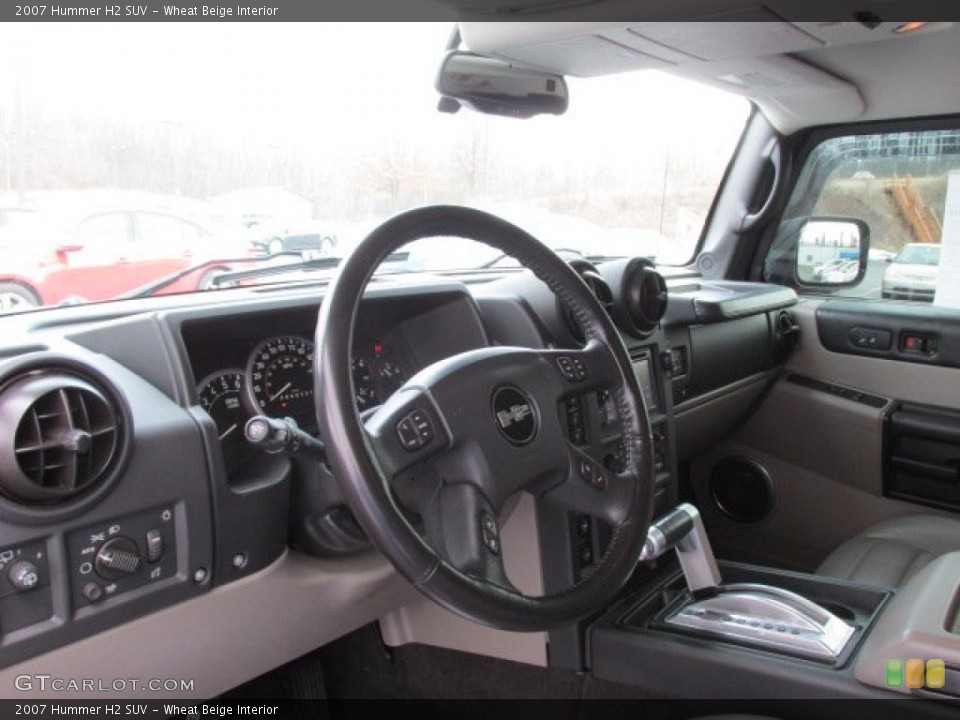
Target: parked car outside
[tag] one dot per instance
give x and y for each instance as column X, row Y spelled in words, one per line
column 89, row 252
column 912, row 274
column 838, row 271
column 294, row 239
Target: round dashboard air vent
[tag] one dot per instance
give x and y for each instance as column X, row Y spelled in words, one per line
column 67, row 437
column 642, row 300
column 598, row 286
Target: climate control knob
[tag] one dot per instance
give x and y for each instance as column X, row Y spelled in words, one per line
column 117, row 558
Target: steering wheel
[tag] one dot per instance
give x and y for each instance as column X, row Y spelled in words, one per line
column 462, row 436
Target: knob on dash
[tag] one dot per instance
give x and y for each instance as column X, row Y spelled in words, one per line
column 117, row 558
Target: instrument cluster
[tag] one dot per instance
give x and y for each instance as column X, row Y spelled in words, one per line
column 277, row 381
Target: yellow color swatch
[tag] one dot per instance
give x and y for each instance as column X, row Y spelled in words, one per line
column 936, row 674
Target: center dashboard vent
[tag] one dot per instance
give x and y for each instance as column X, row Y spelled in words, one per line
column 640, row 294
column 67, row 438
column 598, row 286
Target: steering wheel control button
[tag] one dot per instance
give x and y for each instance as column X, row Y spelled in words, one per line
column 23, row 575
column 572, row 368
column 117, row 558
column 422, row 425
column 489, row 533
column 154, row 543
column 415, row 430
column 592, row 474
column 514, row 414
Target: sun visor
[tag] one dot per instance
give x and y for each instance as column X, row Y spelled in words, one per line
column 747, row 58
column 791, row 93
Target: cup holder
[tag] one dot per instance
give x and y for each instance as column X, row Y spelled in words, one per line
column 841, row 611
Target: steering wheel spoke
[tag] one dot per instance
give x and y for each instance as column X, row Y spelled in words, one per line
column 590, row 488
column 582, row 371
column 408, row 430
column 461, row 524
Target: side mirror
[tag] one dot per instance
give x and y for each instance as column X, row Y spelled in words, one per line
column 495, row 87
column 69, row 248
column 832, row 252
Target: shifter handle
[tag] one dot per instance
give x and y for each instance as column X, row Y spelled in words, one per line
column 682, row 529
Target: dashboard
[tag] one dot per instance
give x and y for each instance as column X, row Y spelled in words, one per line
column 176, row 517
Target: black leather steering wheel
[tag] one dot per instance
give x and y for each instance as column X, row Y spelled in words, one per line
column 462, row 436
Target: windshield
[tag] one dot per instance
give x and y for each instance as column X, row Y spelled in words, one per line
column 129, row 156
column 919, row 255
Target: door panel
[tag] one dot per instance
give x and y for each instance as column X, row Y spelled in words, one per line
column 821, row 445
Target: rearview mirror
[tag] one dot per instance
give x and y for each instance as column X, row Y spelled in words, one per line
column 495, row 87
column 833, row 251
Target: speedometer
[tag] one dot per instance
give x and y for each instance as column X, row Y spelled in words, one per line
column 280, row 378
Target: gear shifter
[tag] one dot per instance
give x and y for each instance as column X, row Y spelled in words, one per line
column 682, row 529
column 745, row 613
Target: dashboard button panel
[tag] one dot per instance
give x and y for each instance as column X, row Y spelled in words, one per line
column 116, row 556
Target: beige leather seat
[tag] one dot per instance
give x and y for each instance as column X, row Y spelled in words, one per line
column 893, row 551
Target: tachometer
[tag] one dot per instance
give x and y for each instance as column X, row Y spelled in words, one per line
column 390, row 373
column 280, row 378
column 220, row 394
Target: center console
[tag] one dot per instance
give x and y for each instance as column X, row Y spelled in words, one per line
column 729, row 630
column 922, row 623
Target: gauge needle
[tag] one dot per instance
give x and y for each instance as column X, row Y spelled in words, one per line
column 228, row 430
column 280, row 392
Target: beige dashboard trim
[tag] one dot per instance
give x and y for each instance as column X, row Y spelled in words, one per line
column 229, row 635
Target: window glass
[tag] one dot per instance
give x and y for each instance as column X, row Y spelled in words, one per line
column 335, row 126
column 905, row 188
column 103, row 233
column 162, row 231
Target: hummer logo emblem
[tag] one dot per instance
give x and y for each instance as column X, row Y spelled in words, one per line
column 515, row 415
